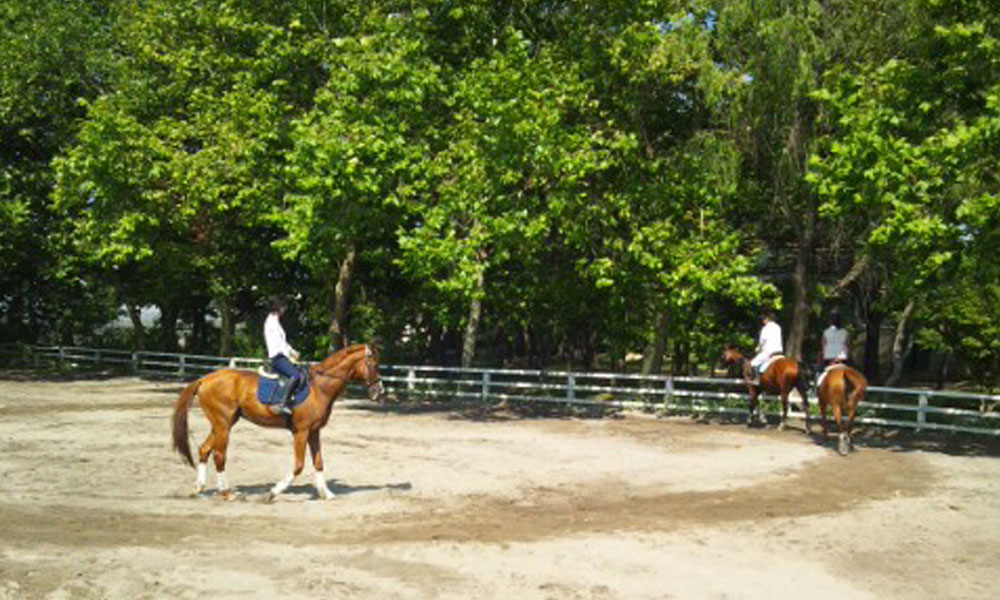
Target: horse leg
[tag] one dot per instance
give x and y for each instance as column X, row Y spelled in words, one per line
column 805, row 408
column 204, row 451
column 842, row 436
column 317, row 455
column 221, row 436
column 784, row 410
column 822, row 415
column 752, row 408
column 299, row 446
column 852, row 408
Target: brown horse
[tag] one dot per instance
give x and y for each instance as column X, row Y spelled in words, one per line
column 781, row 376
column 841, row 388
column 228, row 394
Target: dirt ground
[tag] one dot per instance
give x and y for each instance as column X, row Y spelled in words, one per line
column 437, row 505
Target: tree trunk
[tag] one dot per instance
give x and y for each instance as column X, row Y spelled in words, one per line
column 802, row 282
column 472, row 326
column 138, row 331
column 341, row 294
column 199, row 329
column 66, row 328
column 942, row 374
column 652, row 363
column 679, row 364
column 435, row 347
column 225, row 327
column 168, row 326
column 900, row 346
column 873, row 326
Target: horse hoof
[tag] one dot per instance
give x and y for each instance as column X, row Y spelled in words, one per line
column 227, row 495
column 271, row 497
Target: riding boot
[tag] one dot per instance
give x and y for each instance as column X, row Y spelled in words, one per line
column 284, row 407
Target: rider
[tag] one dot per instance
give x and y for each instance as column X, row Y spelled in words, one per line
column 835, row 342
column 279, row 352
column 768, row 343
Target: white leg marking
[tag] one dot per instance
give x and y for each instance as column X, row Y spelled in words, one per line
column 321, row 489
column 223, row 484
column 202, row 476
column 282, row 485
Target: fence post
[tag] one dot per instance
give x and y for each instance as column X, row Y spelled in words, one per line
column 570, row 389
column 182, row 364
column 135, row 363
column 922, row 412
column 62, row 358
column 486, row 387
column 668, row 393
column 97, row 358
column 411, row 382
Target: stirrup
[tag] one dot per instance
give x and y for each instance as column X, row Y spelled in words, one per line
column 280, row 409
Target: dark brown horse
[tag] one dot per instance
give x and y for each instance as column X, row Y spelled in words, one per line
column 781, row 377
column 228, row 394
column 841, row 388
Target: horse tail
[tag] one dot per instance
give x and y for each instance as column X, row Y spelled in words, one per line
column 860, row 385
column 181, row 407
column 803, row 380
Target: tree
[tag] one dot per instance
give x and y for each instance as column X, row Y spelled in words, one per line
column 175, row 168
column 52, row 54
column 908, row 167
column 360, row 155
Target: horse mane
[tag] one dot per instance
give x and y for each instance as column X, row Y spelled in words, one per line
column 337, row 357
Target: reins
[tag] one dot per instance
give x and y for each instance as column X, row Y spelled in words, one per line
column 346, row 379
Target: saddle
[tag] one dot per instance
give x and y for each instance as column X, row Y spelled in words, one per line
column 827, row 370
column 272, row 386
column 752, row 374
column 767, row 363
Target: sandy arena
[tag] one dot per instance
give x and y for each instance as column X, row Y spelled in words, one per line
column 435, row 505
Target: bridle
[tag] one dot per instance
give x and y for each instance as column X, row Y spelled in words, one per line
column 371, row 382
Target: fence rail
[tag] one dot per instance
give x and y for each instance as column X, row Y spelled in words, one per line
column 893, row 407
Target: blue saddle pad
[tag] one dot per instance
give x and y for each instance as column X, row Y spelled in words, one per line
column 266, row 387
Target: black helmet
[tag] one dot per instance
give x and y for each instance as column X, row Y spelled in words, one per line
column 276, row 304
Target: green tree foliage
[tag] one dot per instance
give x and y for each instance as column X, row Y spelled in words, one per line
column 175, row 169
column 519, row 182
column 910, row 167
column 51, row 55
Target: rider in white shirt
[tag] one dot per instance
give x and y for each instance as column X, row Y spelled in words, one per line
column 835, row 342
column 768, row 344
column 280, row 353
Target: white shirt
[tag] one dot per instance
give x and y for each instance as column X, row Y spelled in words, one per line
column 770, row 339
column 274, row 337
column 834, row 343
column 768, row 344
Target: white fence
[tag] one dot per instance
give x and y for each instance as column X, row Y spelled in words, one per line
column 893, row 407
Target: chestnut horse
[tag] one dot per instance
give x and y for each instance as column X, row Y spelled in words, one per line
column 781, row 376
column 841, row 388
column 228, row 394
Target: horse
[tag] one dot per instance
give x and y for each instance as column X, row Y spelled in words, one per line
column 781, row 376
column 841, row 388
column 226, row 395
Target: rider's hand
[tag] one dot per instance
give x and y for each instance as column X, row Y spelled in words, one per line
column 294, row 355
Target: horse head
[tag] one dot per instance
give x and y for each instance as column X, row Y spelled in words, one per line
column 355, row 363
column 367, row 370
column 731, row 355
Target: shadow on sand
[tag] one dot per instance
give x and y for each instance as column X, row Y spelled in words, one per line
column 306, row 491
